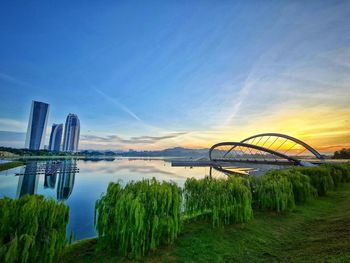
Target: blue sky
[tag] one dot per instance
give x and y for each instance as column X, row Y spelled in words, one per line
column 158, row 74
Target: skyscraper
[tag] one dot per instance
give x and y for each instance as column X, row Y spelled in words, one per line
column 56, row 137
column 71, row 133
column 37, row 125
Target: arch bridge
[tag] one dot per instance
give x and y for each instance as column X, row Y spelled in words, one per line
column 265, row 148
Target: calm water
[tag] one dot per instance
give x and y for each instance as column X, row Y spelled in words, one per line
column 79, row 183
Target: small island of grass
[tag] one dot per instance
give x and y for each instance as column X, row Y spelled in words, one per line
column 10, row 165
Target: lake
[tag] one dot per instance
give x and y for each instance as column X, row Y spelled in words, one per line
column 79, row 183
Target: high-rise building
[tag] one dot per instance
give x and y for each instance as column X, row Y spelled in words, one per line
column 71, row 133
column 56, row 137
column 37, row 125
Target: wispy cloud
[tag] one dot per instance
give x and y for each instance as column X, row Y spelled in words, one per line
column 13, row 80
column 12, row 139
column 12, row 125
column 117, row 103
column 131, row 140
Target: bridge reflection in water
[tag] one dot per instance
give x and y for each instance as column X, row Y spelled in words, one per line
column 64, row 170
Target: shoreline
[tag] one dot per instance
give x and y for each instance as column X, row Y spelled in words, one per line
column 263, row 239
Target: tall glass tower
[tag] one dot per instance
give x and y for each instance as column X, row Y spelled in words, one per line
column 71, row 133
column 37, row 125
column 56, row 137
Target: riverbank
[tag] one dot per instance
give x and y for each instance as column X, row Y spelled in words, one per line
column 10, row 165
column 314, row 232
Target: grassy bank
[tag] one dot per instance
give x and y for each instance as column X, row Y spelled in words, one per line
column 10, row 165
column 314, row 232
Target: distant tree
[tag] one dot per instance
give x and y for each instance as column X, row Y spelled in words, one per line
column 342, row 154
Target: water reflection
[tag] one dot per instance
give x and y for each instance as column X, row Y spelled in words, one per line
column 28, row 178
column 50, row 177
column 66, row 180
column 28, row 182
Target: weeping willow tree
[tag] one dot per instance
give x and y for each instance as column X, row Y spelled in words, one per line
column 340, row 173
column 219, row 200
column 139, row 217
column 273, row 191
column 320, row 178
column 301, row 184
column 33, row 229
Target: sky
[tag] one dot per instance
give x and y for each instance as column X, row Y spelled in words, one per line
column 150, row 75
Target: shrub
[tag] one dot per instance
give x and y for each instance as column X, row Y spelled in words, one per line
column 139, row 217
column 274, row 191
column 33, row 229
column 223, row 201
column 320, row 177
column 301, row 184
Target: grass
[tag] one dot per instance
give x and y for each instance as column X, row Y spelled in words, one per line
column 318, row 231
column 10, row 165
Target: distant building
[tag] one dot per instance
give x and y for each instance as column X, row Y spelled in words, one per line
column 71, row 133
column 37, row 125
column 56, row 137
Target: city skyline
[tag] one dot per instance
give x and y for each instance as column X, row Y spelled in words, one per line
column 36, row 130
column 150, row 77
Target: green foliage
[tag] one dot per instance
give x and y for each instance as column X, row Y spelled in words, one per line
column 27, row 152
column 10, row 165
column 301, row 184
column 139, row 217
column 222, row 201
column 274, row 191
column 320, row 177
column 340, row 172
column 33, row 229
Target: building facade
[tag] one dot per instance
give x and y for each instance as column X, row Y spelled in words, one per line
column 56, row 137
column 71, row 133
column 36, row 131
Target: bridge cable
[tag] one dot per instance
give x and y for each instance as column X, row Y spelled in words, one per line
column 290, row 148
column 281, row 144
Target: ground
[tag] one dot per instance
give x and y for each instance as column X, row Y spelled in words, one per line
column 318, row 231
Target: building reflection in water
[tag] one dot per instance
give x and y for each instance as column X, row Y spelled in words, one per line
column 50, row 178
column 28, row 182
column 29, row 177
column 66, row 179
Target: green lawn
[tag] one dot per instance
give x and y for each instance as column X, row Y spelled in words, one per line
column 316, row 232
column 10, row 165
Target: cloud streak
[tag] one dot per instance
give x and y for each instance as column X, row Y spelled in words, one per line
column 14, row 80
column 12, row 125
column 118, row 104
